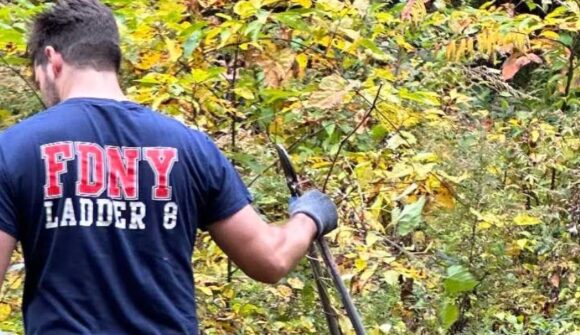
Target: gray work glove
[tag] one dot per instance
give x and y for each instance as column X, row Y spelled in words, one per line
column 319, row 208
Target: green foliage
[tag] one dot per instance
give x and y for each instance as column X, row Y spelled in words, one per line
column 449, row 314
column 458, row 280
column 456, row 193
column 409, row 218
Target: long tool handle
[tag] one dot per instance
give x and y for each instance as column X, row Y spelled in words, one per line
column 346, row 299
column 324, row 299
column 329, row 314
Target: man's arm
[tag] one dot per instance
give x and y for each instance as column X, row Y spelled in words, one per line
column 264, row 252
column 7, row 245
column 268, row 252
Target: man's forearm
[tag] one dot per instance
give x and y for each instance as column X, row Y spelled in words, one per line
column 280, row 248
column 7, row 244
column 297, row 235
column 268, row 252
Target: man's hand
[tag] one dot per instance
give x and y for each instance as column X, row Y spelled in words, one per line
column 319, row 208
column 7, row 244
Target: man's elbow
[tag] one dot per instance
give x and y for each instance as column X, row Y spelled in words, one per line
column 273, row 272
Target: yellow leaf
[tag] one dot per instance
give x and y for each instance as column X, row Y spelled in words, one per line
column 320, row 164
column 385, row 74
column 296, row 283
column 526, row 220
column 205, row 290
column 534, row 135
column 244, row 92
column 228, row 292
column 211, row 34
column 302, row 60
column 161, row 98
column 521, row 243
column 550, row 34
column 376, row 207
column 149, row 60
column 360, row 264
column 368, row 273
column 483, row 225
column 444, row 198
column 244, row 9
column 5, row 311
column 276, row 127
column 303, row 3
column 284, row 291
column 371, row 239
column 400, row 40
column 174, row 50
column 426, row 157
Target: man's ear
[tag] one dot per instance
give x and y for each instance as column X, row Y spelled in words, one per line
column 55, row 62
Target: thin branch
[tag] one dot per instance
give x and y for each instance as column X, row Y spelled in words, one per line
column 570, row 74
column 342, row 143
column 28, row 84
column 232, row 97
column 290, row 148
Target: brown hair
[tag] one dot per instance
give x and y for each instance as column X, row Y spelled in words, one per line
column 83, row 31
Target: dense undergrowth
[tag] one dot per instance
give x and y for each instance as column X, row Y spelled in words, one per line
column 458, row 188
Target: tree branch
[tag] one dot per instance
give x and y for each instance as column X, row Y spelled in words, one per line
column 28, row 84
column 342, row 143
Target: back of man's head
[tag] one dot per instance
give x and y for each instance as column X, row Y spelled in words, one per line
column 84, row 32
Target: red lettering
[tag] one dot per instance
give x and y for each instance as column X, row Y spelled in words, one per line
column 91, row 170
column 55, row 156
column 161, row 161
column 123, row 172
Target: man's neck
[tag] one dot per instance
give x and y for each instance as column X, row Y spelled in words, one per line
column 91, row 84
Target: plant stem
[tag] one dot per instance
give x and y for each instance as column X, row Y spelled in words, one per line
column 28, row 84
column 342, row 143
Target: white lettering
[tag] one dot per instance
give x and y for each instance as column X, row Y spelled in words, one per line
column 86, row 208
column 51, row 222
column 119, row 207
column 107, row 212
column 101, row 220
column 138, row 211
column 68, row 214
column 170, row 215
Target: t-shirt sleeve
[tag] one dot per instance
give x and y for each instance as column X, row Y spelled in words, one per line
column 225, row 192
column 8, row 218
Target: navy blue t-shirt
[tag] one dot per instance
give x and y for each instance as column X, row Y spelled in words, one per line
column 106, row 198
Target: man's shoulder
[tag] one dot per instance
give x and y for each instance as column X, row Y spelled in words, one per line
column 23, row 128
column 177, row 128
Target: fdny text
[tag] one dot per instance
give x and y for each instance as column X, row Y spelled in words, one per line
column 107, row 185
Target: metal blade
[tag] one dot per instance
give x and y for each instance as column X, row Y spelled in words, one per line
column 289, row 172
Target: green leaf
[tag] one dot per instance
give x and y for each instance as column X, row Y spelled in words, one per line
column 200, row 75
column 458, row 280
column 292, row 20
column 449, row 314
column 193, row 40
column 566, row 39
column 410, row 217
column 428, row 98
column 272, row 95
column 365, row 42
column 531, row 4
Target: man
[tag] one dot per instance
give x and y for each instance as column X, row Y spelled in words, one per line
column 106, row 195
